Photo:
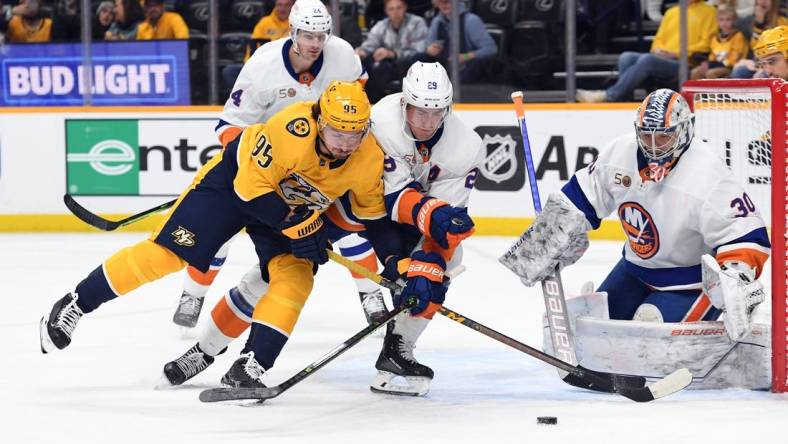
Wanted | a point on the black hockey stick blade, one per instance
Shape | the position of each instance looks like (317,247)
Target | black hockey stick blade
(231,394)
(612,382)
(103,224)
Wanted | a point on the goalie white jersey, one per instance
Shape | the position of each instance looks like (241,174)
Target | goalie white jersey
(444,167)
(267,82)
(699,208)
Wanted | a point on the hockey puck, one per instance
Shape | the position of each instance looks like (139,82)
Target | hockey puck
(551,420)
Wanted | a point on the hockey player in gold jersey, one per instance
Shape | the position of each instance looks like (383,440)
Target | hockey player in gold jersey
(772,52)
(275,180)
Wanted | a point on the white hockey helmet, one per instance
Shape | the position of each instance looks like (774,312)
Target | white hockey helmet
(664,126)
(427,85)
(311,16)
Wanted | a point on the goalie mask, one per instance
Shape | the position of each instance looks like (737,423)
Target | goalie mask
(664,130)
(426,100)
(309,16)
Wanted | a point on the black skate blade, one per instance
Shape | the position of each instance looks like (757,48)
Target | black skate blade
(236,394)
(386,392)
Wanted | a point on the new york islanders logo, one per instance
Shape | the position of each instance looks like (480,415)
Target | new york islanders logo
(640,229)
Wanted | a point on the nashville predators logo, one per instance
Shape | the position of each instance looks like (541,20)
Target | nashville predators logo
(297,191)
(298,127)
(639,227)
(183,237)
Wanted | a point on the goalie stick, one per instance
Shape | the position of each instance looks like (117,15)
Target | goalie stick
(552,287)
(230,394)
(632,387)
(103,224)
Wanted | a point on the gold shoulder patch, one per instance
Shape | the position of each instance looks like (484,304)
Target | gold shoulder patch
(298,127)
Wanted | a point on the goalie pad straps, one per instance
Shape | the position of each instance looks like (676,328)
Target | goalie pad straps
(558,237)
(733,291)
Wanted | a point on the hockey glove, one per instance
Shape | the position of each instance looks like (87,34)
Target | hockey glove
(307,233)
(446,224)
(732,288)
(557,238)
(425,282)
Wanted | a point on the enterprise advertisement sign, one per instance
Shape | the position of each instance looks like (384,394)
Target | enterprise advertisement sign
(123,73)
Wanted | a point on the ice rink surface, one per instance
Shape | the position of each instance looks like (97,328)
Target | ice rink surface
(101,388)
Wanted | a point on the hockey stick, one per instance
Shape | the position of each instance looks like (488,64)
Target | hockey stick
(230,394)
(552,288)
(99,222)
(632,387)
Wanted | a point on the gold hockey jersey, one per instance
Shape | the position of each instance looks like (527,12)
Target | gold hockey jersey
(281,155)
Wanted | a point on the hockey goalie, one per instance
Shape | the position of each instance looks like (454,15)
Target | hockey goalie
(684,292)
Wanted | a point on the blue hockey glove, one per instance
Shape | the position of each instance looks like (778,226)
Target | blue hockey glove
(445,224)
(425,282)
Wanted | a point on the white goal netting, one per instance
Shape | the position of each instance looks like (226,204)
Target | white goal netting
(743,121)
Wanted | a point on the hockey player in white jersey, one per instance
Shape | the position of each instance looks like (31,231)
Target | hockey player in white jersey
(432,160)
(278,74)
(696,244)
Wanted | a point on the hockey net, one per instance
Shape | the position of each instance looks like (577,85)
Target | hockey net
(746,121)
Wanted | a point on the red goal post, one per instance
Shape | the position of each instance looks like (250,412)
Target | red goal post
(746,121)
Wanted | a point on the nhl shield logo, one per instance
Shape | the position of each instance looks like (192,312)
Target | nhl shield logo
(640,229)
(503,168)
(501,161)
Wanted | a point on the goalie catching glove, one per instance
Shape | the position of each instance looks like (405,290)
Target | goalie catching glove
(733,289)
(557,238)
(307,233)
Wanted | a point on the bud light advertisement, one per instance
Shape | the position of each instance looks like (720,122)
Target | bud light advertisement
(123,73)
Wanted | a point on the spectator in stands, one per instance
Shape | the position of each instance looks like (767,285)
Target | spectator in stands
(29,25)
(105,16)
(765,15)
(391,47)
(661,64)
(160,24)
(476,44)
(772,52)
(66,21)
(128,16)
(274,26)
(728,46)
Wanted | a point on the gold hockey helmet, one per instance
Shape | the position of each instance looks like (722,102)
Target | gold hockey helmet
(772,41)
(344,106)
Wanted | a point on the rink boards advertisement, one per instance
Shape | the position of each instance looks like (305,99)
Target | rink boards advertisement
(122,161)
(121,73)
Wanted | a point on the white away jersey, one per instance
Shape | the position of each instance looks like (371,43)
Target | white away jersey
(699,208)
(267,82)
(445,170)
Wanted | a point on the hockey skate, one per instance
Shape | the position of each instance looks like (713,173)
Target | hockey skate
(245,372)
(57,328)
(395,363)
(189,365)
(188,310)
(374,306)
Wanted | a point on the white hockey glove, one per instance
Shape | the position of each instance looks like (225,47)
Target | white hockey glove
(733,289)
(557,238)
